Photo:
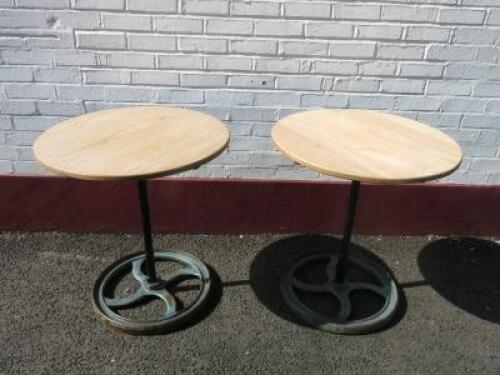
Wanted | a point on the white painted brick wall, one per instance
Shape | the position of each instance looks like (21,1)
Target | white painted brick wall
(250,63)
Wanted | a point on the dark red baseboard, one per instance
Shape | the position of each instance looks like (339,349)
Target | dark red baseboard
(41,203)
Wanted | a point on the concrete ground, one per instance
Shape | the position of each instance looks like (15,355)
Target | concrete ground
(448,324)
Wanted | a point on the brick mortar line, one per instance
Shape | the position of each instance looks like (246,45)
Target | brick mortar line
(246,89)
(258,37)
(261,17)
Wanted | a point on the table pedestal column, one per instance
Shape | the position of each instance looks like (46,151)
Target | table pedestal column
(341,284)
(150,284)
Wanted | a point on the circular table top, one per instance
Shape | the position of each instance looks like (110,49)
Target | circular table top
(131,143)
(366,146)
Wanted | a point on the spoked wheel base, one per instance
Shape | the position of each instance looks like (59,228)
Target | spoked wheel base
(174,313)
(377,284)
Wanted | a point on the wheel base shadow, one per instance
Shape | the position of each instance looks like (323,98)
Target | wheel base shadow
(272,262)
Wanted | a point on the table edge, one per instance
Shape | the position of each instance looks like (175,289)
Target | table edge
(382,181)
(145,176)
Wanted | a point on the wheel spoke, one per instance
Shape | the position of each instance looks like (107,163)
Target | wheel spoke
(312,288)
(331,267)
(180,275)
(367,286)
(345,305)
(168,299)
(127,301)
(137,272)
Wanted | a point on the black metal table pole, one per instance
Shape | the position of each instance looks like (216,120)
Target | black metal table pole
(346,240)
(340,284)
(148,242)
(142,268)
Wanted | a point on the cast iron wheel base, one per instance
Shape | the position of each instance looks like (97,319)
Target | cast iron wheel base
(341,324)
(174,315)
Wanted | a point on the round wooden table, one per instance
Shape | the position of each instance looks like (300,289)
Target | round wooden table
(136,143)
(362,146)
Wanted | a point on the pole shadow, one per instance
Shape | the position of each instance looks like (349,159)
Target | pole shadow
(466,272)
(214,298)
(272,262)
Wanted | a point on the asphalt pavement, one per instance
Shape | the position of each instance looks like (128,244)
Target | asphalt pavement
(449,321)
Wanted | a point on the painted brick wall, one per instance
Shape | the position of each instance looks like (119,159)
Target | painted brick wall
(251,62)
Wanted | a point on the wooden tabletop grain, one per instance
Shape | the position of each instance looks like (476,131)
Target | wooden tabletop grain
(131,143)
(367,146)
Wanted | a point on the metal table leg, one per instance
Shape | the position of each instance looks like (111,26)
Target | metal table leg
(150,285)
(340,285)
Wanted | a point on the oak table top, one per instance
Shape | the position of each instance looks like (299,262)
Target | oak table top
(131,143)
(367,146)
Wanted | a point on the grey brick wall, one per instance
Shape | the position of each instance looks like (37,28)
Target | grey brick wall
(250,63)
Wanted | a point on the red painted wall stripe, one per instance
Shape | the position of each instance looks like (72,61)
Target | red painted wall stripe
(42,203)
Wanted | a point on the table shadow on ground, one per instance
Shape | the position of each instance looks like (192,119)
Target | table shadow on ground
(465,271)
(271,262)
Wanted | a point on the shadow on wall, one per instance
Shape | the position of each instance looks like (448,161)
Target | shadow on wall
(271,263)
(466,272)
